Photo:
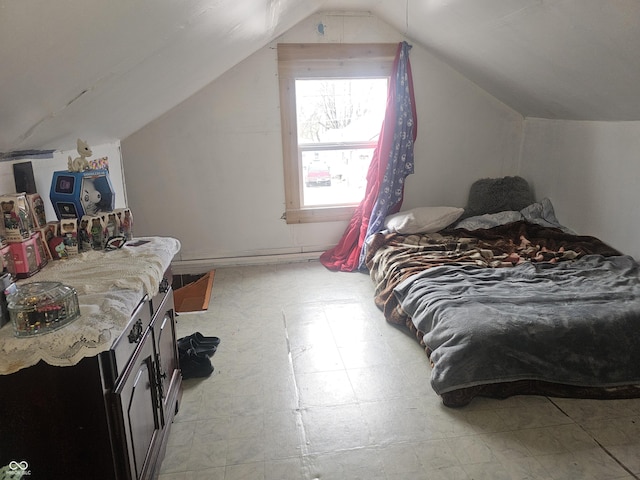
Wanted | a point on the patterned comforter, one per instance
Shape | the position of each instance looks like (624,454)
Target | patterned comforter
(402,268)
(391,257)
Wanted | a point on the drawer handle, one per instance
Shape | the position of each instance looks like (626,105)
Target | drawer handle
(136,332)
(164,285)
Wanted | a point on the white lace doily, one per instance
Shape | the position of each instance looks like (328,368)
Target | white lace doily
(109,285)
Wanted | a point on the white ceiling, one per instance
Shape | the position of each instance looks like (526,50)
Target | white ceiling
(107,68)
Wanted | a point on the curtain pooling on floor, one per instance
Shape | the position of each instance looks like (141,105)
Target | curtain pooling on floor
(391,163)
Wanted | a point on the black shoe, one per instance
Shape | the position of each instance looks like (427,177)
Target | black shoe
(201,344)
(202,340)
(194,365)
(185,344)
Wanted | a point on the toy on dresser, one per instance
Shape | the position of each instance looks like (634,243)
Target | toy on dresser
(80,164)
(84,235)
(47,233)
(70,237)
(7,258)
(23,243)
(38,215)
(112,224)
(54,241)
(28,256)
(69,234)
(74,194)
(125,222)
(98,232)
(16,217)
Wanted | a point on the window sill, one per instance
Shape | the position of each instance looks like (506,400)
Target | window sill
(319,214)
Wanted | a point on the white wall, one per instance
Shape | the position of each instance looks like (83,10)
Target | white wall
(209,172)
(590,171)
(43,169)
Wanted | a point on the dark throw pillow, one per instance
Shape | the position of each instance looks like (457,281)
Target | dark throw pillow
(493,195)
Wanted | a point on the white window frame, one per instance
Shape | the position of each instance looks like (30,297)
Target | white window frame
(316,61)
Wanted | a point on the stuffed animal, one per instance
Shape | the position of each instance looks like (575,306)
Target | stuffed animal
(80,164)
(90,198)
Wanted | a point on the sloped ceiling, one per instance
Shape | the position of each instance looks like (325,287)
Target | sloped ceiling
(104,69)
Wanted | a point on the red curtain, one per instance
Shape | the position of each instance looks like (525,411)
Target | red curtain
(345,256)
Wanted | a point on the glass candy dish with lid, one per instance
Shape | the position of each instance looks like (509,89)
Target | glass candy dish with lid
(42,307)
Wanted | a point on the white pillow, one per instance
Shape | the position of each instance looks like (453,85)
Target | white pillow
(422,219)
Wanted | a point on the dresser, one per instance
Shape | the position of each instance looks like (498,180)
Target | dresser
(107,413)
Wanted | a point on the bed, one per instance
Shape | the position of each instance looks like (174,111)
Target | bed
(512,302)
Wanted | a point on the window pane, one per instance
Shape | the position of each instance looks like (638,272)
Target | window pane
(334,177)
(340,110)
(338,124)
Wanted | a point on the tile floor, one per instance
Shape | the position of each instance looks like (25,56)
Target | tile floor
(311,383)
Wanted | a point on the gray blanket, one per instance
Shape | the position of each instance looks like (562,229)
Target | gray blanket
(573,323)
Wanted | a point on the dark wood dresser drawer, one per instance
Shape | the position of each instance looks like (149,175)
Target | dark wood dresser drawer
(125,345)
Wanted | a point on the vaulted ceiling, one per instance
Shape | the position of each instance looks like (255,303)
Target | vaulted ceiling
(107,68)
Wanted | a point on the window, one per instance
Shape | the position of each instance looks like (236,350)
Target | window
(333,99)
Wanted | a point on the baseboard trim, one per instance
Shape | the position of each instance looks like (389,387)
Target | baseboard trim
(181,267)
